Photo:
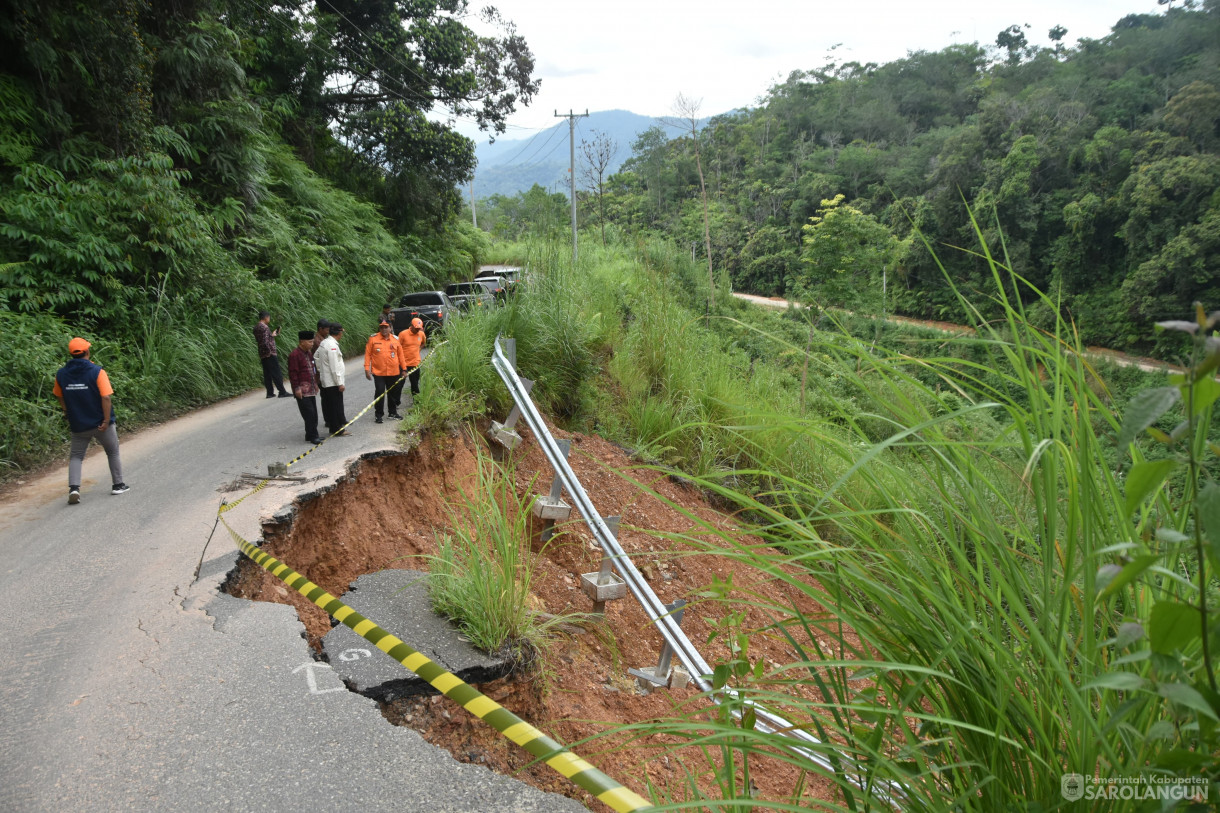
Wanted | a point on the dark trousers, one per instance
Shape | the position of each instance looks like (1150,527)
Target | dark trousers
(272,377)
(309,413)
(382,383)
(414,376)
(332,408)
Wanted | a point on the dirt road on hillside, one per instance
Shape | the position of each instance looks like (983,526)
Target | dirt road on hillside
(1145,363)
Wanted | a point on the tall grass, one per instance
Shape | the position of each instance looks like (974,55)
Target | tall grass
(482,575)
(949,503)
(965,656)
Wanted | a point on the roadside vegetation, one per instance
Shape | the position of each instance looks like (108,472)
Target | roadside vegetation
(1009,595)
(171,170)
(1014,546)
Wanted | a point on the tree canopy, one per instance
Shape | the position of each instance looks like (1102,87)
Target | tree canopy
(171,168)
(1094,162)
(375,74)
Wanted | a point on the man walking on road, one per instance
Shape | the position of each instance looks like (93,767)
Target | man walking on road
(84,391)
(264,337)
(383,364)
(303,378)
(412,340)
(329,361)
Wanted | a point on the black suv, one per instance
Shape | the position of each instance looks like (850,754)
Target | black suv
(434,308)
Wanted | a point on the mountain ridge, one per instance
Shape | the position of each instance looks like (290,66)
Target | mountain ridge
(510,166)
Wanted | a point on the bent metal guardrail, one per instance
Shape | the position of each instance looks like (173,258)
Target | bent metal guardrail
(696,666)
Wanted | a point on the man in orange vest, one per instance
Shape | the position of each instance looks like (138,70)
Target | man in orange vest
(84,392)
(412,340)
(383,364)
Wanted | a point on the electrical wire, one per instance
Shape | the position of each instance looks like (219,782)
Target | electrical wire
(529,162)
(524,147)
(310,44)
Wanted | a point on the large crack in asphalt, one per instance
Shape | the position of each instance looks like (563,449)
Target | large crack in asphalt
(365,538)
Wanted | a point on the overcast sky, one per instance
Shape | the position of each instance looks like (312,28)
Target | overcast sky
(638,55)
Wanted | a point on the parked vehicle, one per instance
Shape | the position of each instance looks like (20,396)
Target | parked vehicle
(468,295)
(433,307)
(508,278)
(495,287)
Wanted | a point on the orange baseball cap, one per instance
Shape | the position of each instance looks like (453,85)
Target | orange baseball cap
(78,346)
(417,322)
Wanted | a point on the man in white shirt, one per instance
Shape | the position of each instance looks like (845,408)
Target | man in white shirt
(328,358)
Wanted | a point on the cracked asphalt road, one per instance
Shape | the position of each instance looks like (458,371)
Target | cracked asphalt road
(127,687)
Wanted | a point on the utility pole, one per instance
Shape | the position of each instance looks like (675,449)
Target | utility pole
(473,215)
(572,117)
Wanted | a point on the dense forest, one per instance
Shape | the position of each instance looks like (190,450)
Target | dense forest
(1097,164)
(171,168)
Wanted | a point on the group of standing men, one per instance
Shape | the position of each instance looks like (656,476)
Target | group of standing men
(315,368)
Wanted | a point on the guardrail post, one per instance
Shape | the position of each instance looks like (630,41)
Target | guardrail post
(552,508)
(604,585)
(505,433)
(510,351)
(649,679)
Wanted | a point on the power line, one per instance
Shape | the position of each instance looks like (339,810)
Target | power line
(259,14)
(524,147)
(407,67)
(530,162)
(380,47)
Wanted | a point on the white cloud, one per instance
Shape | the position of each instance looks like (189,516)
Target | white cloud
(638,55)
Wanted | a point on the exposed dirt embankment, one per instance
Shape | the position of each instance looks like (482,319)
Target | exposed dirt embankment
(386,514)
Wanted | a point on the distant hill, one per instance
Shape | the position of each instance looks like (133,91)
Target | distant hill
(510,166)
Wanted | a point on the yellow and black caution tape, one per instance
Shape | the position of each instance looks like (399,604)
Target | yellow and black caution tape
(229,506)
(537,744)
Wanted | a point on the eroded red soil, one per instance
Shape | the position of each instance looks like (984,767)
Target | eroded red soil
(387,515)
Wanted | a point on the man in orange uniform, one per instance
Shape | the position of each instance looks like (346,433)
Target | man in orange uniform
(412,340)
(383,364)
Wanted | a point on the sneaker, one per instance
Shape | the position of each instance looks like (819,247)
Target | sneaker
(284,395)
(396,416)
(73,496)
(315,441)
(271,395)
(120,488)
(377,419)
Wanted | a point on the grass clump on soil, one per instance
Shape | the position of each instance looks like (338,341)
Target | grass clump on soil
(482,574)
(555,349)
